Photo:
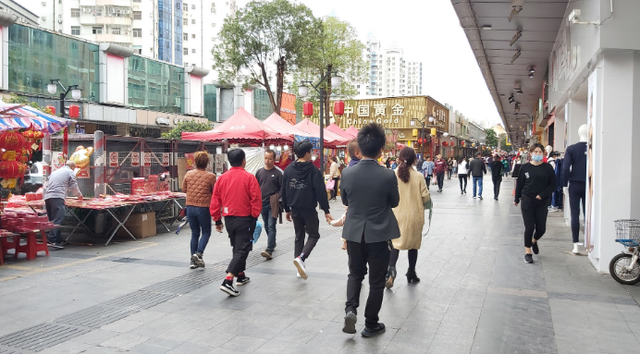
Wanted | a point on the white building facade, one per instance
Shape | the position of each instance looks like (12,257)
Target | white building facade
(180,32)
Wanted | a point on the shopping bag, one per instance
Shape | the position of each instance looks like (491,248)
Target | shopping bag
(428,205)
(257,231)
(331,184)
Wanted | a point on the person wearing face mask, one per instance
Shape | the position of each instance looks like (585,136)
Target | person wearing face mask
(535,185)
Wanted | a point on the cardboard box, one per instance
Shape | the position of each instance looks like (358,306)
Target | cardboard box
(141,225)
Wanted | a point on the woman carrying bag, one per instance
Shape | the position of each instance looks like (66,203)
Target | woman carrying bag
(414,197)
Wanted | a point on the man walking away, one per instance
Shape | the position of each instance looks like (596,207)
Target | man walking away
(477,169)
(237,197)
(496,175)
(303,189)
(60,183)
(270,180)
(441,169)
(428,167)
(370,192)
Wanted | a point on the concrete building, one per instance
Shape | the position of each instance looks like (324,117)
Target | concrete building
(580,64)
(175,31)
(24,15)
(389,72)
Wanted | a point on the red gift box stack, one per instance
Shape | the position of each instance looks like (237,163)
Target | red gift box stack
(21,221)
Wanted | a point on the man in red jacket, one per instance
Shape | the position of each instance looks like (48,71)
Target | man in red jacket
(238,198)
(441,168)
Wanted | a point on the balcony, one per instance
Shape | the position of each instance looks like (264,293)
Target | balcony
(89,20)
(113,38)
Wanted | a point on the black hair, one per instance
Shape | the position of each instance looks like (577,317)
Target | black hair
(236,156)
(479,154)
(371,139)
(301,148)
(536,145)
(269,151)
(353,148)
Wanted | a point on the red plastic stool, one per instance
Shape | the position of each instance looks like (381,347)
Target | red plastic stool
(32,247)
(7,243)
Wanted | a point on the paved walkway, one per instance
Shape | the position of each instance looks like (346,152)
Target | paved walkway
(476,295)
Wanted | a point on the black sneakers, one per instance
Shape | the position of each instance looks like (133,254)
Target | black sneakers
(267,254)
(242,279)
(193,265)
(227,287)
(534,248)
(350,323)
(197,259)
(528,258)
(57,245)
(369,332)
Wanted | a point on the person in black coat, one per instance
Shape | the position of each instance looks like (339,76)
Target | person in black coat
(497,169)
(370,191)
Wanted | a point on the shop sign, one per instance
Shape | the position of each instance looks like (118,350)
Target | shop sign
(135,159)
(83,173)
(379,114)
(146,158)
(191,160)
(113,159)
(165,159)
(163,121)
(57,160)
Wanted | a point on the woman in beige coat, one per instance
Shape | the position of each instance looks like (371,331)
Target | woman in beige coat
(410,214)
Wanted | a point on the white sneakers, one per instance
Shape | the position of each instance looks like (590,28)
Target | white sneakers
(302,270)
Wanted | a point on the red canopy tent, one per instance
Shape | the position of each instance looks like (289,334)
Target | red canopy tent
(280,125)
(353,131)
(336,129)
(331,139)
(241,128)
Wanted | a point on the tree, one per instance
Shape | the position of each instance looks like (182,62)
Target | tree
(262,35)
(492,138)
(189,126)
(337,49)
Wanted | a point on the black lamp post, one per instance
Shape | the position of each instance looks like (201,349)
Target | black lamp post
(76,93)
(303,91)
(423,122)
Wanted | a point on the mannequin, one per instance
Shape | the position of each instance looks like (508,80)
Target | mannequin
(575,175)
(549,150)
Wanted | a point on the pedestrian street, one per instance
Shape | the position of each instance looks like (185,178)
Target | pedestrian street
(476,294)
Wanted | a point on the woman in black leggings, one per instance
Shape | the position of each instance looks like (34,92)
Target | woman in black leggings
(536,183)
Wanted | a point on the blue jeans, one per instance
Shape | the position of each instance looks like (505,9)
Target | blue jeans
(477,181)
(199,218)
(269,225)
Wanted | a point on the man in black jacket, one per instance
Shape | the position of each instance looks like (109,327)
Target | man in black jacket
(496,175)
(370,191)
(302,190)
(477,169)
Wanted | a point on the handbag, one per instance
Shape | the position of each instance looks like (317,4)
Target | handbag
(428,205)
(257,231)
(331,184)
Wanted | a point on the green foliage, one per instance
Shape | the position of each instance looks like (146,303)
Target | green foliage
(22,100)
(492,138)
(503,143)
(189,126)
(337,49)
(261,37)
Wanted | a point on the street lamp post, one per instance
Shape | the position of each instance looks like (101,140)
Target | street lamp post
(76,93)
(303,91)
(423,122)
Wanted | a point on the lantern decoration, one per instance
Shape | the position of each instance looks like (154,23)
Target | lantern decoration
(10,171)
(445,144)
(52,110)
(74,111)
(462,143)
(338,108)
(13,145)
(419,140)
(307,109)
(433,132)
(474,144)
(11,141)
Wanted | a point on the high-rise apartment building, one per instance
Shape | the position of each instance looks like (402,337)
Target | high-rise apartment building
(180,32)
(389,73)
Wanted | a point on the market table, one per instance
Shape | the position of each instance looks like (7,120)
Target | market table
(72,208)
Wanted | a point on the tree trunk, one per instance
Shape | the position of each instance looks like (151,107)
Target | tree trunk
(282,66)
(267,86)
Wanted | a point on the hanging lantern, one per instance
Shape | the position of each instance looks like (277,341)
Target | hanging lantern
(74,111)
(433,132)
(445,143)
(52,110)
(462,143)
(10,171)
(307,109)
(11,141)
(419,140)
(338,108)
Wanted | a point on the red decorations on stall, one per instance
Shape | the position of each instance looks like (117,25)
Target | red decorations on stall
(444,143)
(52,110)
(11,141)
(74,111)
(307,109)
(338,108)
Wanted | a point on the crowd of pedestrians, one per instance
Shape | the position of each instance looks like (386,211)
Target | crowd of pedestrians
(380,219)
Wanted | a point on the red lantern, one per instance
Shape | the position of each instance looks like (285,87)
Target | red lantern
(52,109)
(11,141)
(338,108)
(12,169)
(462,143)
(307,109)
(445,143)
(74,111)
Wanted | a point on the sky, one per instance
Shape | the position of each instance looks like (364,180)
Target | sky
(428,31)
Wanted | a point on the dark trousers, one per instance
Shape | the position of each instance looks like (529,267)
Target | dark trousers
(334,191)
(305,221)
(463,180)
(496,186)
(55,213)
(440,177)
(395,254)
(428,180)
(534,214)
(240,229)
(576,197)
(199,218)
(269,225)
(376,256)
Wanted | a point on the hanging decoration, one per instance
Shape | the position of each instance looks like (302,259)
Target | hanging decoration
(338,108)
(307,109)
(11,145)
